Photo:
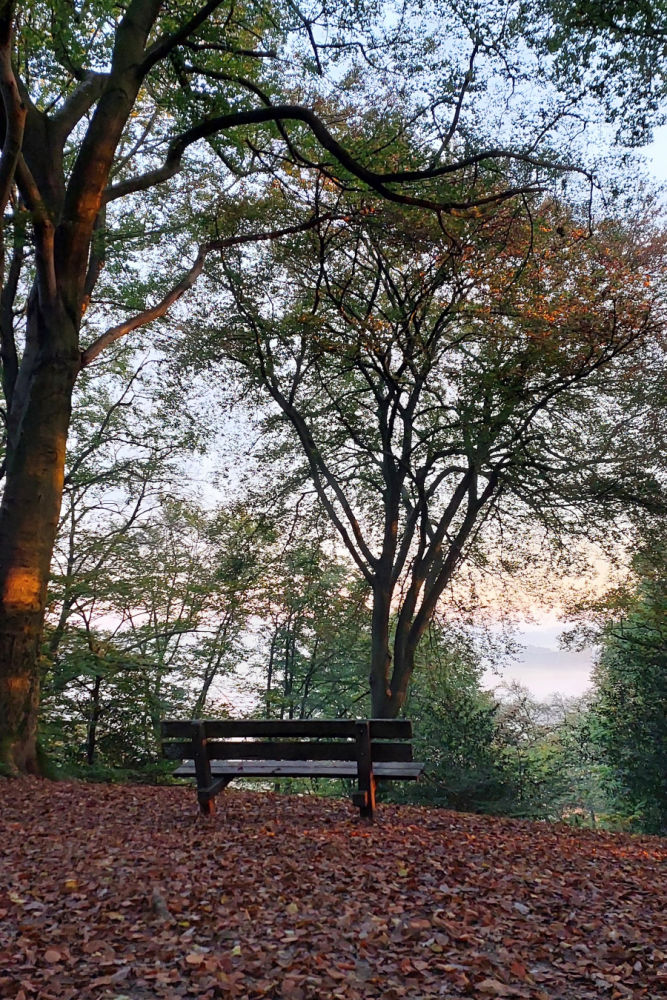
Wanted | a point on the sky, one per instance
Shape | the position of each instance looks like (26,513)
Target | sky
(542,666)
(657,154)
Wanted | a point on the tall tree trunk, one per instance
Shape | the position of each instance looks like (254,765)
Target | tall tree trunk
(408,635)
(405,647)
(380,653)
(393,673)
(29,513)
(269,675)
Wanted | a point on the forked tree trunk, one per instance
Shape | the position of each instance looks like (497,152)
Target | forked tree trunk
(39,421)
(404,662)
(407,638)
(391,674)
(397,689)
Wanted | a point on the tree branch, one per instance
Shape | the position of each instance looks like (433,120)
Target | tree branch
(8,352)
(44,228)
(376,181)
(14,108)
(186,282)
(79,102)
(467,80)
(167,43)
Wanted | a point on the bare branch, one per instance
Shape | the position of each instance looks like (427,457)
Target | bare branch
(44,228)
(79,102)
(322,478)
(15,111)
(96,437)
(164,45)
(308,25)
(376,181)
(187,281)
(231,49)
(467,80)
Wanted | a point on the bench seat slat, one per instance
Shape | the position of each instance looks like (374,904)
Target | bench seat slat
(325,750)
(381,729)
(408,771)
(275,750)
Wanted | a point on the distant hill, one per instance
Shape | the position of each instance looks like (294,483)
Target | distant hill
(546,671)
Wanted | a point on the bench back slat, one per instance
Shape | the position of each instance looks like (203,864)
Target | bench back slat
(285,750)
(381,729)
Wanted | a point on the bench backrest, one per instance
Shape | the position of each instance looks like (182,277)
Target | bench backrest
(278,739)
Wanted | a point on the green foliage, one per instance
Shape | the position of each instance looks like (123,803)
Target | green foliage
(617,52)
(630,708)
(315,637)
(151,632)
(454,723)
(149,592)
(545,753)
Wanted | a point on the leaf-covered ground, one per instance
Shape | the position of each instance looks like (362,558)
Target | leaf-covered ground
(124,892)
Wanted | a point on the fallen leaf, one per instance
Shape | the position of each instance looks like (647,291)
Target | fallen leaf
(494,988)
(318,909)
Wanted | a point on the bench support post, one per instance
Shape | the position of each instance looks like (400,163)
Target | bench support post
(202,769)
(365,797)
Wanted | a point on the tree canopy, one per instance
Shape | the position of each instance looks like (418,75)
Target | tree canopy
(444,387)
(617,51)
(144,143)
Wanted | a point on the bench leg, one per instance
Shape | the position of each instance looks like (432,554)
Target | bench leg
(202,769)
(365,797)
(206,806)
(205,796)
(365,800)
(369,811)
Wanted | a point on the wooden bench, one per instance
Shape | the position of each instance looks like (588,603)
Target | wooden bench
(216,752)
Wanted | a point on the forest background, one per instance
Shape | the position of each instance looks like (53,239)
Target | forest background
(356,384)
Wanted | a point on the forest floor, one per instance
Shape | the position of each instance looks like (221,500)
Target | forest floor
(123,892)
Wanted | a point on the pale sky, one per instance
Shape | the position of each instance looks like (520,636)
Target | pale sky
(657,154)
(543,667)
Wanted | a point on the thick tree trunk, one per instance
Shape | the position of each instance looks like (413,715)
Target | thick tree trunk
(406,640)
(397,688)
(38,425)
(392,674)
(404,664)
(380,653)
